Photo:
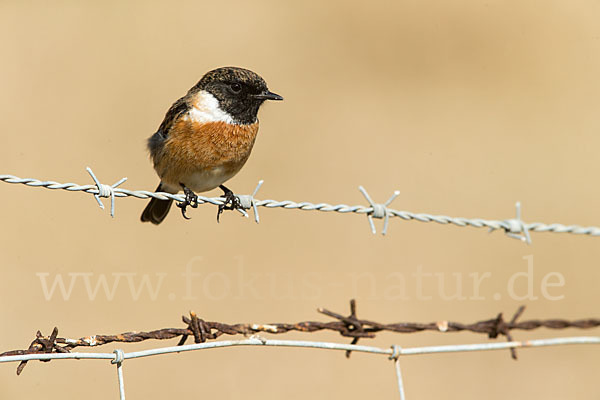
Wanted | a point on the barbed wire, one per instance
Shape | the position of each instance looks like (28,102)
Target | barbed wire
(47,348)
(347,326)
(514,227)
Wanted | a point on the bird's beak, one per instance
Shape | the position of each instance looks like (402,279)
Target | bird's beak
(267,95)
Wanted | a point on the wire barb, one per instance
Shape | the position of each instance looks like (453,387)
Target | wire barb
(379,210)
(247,201)
(516,228)
(42,344)
(105,191)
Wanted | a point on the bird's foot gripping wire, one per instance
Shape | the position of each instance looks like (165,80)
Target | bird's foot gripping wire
(231,201)
(190,200)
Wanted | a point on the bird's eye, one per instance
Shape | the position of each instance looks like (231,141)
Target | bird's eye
(236,87)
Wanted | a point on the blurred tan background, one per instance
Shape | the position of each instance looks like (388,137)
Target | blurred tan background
(463,106)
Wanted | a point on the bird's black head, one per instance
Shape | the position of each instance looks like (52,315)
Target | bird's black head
(240,92)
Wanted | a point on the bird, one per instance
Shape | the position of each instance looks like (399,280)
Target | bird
(205,138)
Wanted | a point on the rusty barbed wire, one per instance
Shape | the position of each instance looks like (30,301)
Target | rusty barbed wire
(514,227)
(347,326)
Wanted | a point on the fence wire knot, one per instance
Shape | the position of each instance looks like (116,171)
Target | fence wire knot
(379,210)
(105,191)
(396,352)
(119,356)
(247,201)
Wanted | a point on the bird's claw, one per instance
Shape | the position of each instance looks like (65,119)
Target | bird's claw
(191,199)
(231,202)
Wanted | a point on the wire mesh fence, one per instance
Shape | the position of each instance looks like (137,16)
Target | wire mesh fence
(53,347)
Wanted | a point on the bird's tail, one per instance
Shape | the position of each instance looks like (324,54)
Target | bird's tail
(157,210)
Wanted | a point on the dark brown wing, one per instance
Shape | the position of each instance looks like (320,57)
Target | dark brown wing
(155,142)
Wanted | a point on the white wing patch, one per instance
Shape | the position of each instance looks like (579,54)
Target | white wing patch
(206,109)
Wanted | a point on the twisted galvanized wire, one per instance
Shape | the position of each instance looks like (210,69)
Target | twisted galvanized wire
(393,353)
(515,227)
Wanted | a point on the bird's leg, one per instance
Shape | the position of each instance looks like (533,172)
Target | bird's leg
(231,201)
(190,200)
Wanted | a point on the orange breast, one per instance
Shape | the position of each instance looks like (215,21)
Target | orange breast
(192,147)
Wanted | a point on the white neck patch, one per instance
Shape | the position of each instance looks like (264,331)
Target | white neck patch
(206,108)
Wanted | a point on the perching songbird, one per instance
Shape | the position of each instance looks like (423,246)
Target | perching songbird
(206,137)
